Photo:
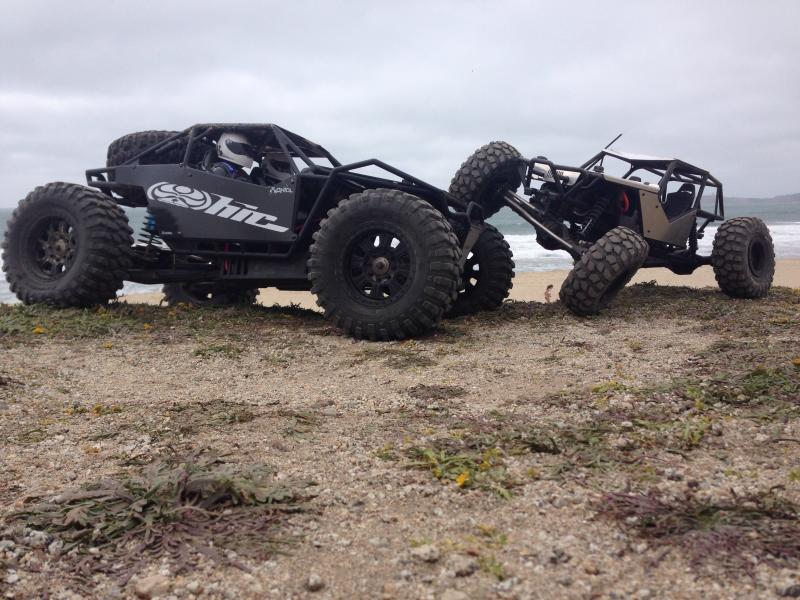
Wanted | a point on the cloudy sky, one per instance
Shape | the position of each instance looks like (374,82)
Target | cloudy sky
(418,84)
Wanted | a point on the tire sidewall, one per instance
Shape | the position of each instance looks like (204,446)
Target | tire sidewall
(731,257)
(495,268)
(21,264)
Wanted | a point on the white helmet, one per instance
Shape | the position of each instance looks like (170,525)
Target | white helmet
(235,148)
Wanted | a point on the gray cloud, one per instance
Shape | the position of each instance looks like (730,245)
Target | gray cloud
(419,85)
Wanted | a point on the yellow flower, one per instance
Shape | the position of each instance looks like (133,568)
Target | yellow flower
(147,326)
(796,362)
(39,330)
(462,479)
(108,345)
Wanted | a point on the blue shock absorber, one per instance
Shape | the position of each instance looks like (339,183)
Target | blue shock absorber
(150,223)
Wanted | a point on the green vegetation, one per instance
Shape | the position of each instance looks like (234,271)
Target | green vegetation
(176,508)
(728,532)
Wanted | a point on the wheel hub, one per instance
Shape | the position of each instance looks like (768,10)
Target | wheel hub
(380,266)
(55,247)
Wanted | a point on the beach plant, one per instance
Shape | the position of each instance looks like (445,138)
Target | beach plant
(729,532)
(180,509)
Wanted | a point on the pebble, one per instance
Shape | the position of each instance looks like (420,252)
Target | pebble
(154,585)
(314,583)
(194,587)
(462,565)
(591,568)
(790,591)
(426,552)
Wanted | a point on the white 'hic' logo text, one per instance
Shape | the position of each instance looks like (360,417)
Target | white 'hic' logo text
(212,204)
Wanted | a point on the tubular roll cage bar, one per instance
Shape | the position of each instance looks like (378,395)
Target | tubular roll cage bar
(292,145)
(665,169)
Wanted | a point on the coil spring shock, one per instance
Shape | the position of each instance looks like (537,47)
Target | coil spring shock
(149,238)
(594,213)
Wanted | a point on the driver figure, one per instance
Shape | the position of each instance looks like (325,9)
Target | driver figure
(235,153)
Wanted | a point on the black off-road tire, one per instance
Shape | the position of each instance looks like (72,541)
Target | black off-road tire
(126,147)
(379,291)
(88,231)
(603,271)
(486,176)
(743,257)
(199,294)
(487,275)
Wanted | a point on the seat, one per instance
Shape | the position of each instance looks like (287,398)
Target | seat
(679,202)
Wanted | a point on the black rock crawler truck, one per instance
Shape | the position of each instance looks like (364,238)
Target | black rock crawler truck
(235,207)
(613,224)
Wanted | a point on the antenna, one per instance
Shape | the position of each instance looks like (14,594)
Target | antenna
(612,142)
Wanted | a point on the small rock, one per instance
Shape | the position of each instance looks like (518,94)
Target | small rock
(426,553)
(462,565)
(762,438)
(12,577)
(673,474)
(37,539)
(452,594)
(155,585)
(506,584)
(377,542)
(622,443)
(314,583)
(626,425)
(790,591)
(591,568)
(558,557)
(644,594)
(194,587)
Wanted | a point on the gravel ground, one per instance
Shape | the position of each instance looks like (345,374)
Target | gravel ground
(476,462)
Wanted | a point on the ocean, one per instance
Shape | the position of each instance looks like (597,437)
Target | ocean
(781,214)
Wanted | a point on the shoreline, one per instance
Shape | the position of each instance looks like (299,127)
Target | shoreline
(531,285)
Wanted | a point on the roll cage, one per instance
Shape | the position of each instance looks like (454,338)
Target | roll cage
(590,173)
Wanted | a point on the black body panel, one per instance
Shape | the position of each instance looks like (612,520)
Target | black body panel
(196,205)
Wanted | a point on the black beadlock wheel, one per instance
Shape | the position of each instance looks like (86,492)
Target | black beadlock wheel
(486,176)
(207,294)
(66,245)
(603,271)
(487,275)
(384,265)
(743,257)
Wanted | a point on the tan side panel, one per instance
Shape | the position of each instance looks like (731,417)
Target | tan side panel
(656,226)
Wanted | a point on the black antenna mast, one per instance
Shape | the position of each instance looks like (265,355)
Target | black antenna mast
(612,142)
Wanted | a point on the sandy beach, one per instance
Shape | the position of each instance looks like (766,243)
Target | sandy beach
(531,286)
(517,454)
